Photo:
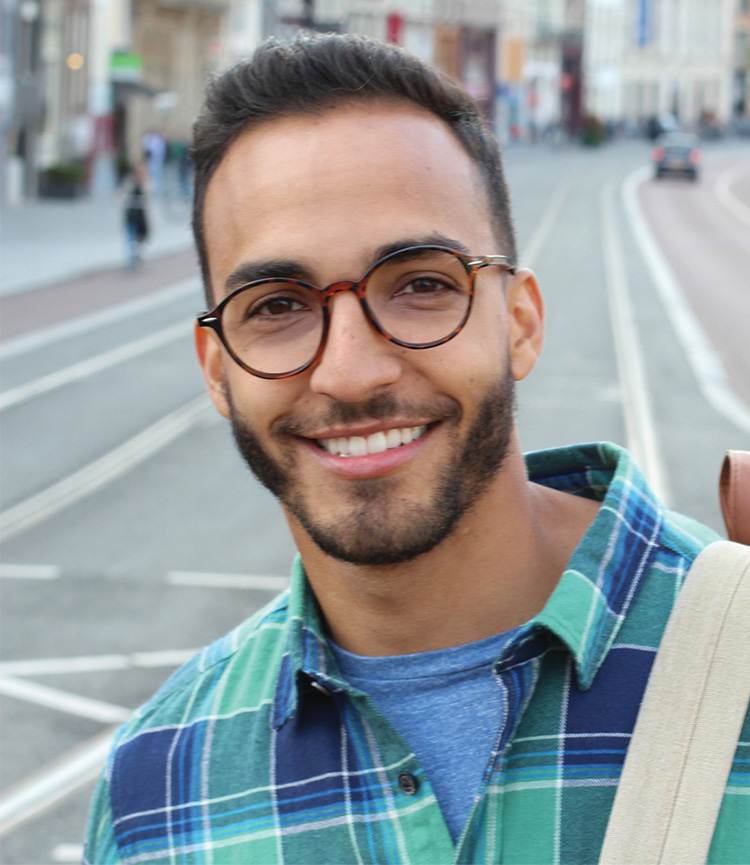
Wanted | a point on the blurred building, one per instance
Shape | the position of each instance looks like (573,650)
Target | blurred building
(659,61)
(741,80)
(22,102)
(177,43)
(520,59)
(83,81)
(540,72)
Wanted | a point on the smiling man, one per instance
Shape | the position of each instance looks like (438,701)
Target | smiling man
(455,672)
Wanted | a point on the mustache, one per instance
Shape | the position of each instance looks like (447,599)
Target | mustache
(381,407)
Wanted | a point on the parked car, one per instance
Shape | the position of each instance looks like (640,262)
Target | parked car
(676,153)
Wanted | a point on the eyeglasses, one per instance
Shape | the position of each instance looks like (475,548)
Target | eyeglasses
(418,297)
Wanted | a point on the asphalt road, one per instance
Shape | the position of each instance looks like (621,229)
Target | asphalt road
(132,534)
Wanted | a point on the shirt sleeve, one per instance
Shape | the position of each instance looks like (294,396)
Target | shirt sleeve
(101,845)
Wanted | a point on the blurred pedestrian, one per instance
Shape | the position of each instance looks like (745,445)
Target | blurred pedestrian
(135,216)
(155,152)
(179,155)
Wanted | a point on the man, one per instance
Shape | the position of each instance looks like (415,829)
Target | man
(457,668)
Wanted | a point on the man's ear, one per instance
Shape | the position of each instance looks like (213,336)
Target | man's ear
(210,356)
(526,322)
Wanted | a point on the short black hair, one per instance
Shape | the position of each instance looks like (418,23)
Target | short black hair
(312,72)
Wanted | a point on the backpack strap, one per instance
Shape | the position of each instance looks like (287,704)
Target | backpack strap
(734,493)
(690,720)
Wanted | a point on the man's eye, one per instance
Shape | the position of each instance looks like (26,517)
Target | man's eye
(426,285)
(275,306)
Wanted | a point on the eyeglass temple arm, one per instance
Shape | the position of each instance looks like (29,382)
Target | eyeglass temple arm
(487,260)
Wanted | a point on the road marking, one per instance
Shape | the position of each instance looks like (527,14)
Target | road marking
(92,365)
(58,780)
(63,701)
(530,252)
(86,323)
(639,419)
(227,581)
(722,190)
(706,365)
(67,853)
(99,473)
(29,572)
(96,663)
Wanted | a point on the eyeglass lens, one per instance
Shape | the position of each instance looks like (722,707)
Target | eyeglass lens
(276,326)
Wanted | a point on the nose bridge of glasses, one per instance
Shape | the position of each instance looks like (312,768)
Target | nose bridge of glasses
(341,286)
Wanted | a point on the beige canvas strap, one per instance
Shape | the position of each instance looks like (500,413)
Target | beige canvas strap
(692,713)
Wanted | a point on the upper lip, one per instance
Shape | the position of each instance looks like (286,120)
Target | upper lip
(367,430)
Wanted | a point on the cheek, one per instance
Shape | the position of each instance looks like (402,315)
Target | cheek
(258,402)
(478,355)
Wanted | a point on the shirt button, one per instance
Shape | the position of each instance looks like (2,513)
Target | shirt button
(408,783)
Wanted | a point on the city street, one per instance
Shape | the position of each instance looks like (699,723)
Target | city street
(133,534)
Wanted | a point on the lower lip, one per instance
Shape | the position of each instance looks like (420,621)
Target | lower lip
(371,465)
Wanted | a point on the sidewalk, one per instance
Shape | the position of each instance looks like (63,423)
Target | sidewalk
(45,241)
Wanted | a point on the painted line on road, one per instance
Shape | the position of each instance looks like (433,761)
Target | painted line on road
(643,442)
(723,192)
(706,365)
(63,701)
(29,572)
(48,786)
(85,324)
(67,853)
(92,365)
(102,471)
(96,663)
(530,252)
(227,581)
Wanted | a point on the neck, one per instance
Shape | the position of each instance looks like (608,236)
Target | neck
(495,571)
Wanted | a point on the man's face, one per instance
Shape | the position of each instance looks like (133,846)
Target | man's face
(323,196)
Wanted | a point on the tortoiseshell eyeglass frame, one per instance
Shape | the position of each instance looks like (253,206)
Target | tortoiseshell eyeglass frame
(472,265)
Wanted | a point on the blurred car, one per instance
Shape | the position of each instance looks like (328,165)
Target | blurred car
(676,153)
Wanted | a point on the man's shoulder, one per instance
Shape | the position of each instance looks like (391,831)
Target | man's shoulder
(686,536)
(208,682)
(683,538)
(663,572)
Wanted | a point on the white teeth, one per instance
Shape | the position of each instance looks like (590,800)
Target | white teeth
(377,443)
(393,438)
(359,446)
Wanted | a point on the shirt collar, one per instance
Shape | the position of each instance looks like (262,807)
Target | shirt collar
(308,660)
(597,588)
(587,607)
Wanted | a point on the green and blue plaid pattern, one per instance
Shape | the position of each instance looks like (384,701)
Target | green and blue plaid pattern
(257,751)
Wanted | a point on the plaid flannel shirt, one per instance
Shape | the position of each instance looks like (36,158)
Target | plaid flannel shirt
(257,751)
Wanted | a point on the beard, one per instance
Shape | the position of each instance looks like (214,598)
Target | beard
(380,527)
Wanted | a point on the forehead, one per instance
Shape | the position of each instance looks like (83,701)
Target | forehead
(337,185)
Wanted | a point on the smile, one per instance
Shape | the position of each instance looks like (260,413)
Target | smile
(378,442)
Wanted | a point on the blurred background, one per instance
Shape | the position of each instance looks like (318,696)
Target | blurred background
(83,81)
(131,532)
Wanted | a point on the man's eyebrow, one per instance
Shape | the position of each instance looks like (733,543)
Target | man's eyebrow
(434,239)
(250,271)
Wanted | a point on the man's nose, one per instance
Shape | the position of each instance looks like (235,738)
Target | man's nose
(357,361)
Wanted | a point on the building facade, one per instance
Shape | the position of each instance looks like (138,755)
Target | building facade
(83,81)
(645,59)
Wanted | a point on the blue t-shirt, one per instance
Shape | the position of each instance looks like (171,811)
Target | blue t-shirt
(447,705)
